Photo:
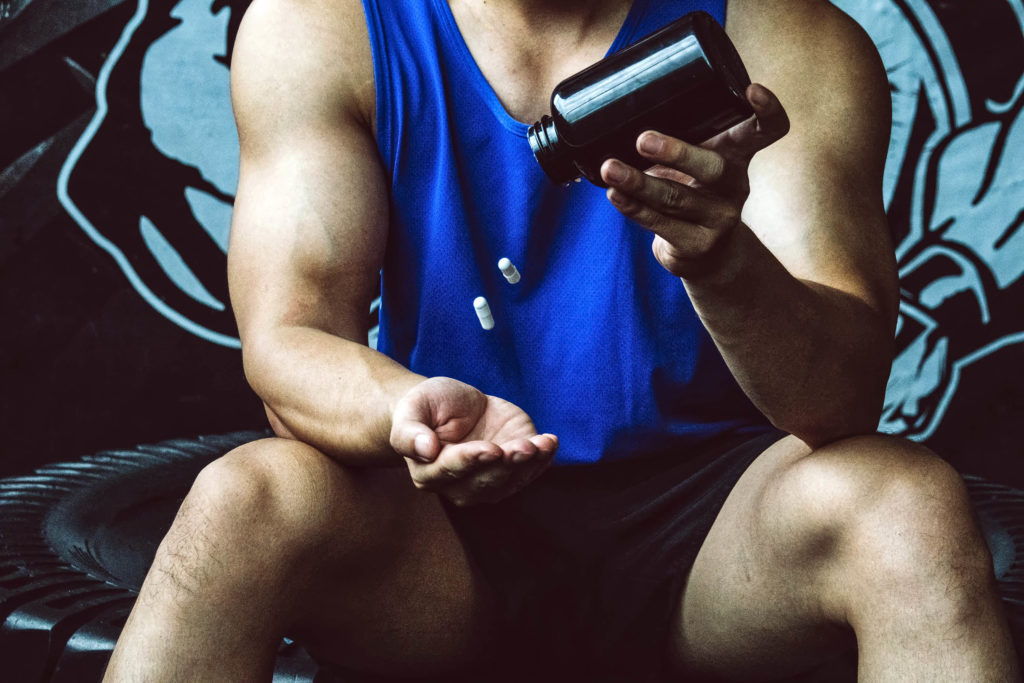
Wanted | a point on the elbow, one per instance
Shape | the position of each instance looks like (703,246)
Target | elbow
(257,365)
(833,417)
(278,426)
(256,370)
(817,431)
(843,401)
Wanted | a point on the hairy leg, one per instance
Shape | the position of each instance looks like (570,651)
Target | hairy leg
(868,541)
(274,539)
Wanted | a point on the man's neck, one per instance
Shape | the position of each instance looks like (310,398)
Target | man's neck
(569,19)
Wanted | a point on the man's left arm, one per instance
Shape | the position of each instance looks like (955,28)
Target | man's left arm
(786,255)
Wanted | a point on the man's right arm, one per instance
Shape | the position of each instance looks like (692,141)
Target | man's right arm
(307,242)
(310,226)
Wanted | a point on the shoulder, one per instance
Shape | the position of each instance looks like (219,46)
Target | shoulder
(303,58)
(819,61)
(799,34)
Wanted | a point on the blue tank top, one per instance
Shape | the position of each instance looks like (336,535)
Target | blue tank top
(596,342)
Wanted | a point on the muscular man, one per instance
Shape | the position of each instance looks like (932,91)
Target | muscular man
(719,506)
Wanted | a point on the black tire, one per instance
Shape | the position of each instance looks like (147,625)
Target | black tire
(77,538)
(76,541)
(1001,515)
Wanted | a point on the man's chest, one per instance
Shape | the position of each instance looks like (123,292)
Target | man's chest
(522,65)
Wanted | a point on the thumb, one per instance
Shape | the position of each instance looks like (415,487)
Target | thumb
(410,436)
(769,124)
(414,440)
(770,115)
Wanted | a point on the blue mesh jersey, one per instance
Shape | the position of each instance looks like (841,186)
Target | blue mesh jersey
(597,342)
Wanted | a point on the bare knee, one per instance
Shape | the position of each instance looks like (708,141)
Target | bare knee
(267,512)
(882,516)
(900,507)
(266,493)
(298,500)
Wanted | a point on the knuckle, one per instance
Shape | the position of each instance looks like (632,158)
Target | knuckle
(704,242)
(730,214)
(717,167)
(635,181)
(449,472)
(674,195)
(657,222)
(630,207)
(685,256)
(710,243)
(665,253)
(679,152)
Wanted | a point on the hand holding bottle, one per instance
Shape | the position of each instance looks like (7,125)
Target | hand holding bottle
(693,197)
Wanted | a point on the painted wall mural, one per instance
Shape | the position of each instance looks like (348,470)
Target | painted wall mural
(119,165)
(954,187)
(164,219)
(143,164)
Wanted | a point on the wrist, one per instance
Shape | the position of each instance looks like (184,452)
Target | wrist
(399,387)
(748,284)
(396,390)
(726,264)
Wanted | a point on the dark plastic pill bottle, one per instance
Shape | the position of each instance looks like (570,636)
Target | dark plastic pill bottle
(685,80)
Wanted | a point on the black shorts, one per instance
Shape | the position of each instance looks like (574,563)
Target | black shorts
(588,562)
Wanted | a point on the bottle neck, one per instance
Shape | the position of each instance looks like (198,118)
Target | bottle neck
(551,153)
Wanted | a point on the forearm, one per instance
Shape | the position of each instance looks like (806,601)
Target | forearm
(812,358)
(334,394)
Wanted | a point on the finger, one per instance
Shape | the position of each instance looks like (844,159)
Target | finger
(706,166)
(688,240)
(769,124)
(659,203)
(528,471)
(498,480)
(458,461)
(547,444)
(487,484)
(518,450)
(770,115)
(659,171)
(491,484)
(501,480)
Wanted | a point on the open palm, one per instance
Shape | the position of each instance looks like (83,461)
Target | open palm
(466,445)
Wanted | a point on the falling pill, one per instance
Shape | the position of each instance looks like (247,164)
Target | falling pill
(483,311)
(508,269)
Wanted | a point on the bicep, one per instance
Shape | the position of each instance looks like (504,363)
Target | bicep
(816,196)
(310,219)
(308,236)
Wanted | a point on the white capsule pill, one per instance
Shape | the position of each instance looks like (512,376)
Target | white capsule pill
(508,269)
(483,311)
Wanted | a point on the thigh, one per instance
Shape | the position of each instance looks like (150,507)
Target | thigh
(751,607)
(385,584)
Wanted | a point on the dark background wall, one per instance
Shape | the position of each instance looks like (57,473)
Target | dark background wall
(105,340)
(119,164)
